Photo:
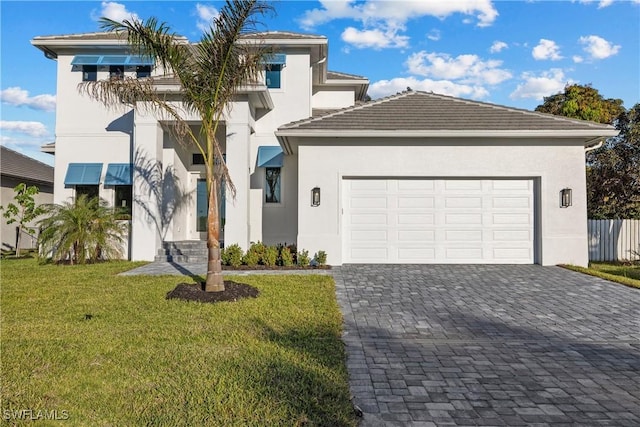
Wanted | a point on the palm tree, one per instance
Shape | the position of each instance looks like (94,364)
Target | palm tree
(210,73)
(81,231)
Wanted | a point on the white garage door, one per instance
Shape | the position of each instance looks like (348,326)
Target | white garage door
(438,221)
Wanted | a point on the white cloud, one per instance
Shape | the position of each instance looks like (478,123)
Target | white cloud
(18,97)
(35,129)
(434,35)
(375,38)
(468,69)
(538,86)
(206,15)
(389,87)
(604,3)
(116,12)
(389,17)
(577,59)
(597,47)
(546,49)
(498,46)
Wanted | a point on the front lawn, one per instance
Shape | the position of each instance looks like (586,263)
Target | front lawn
(103,349)
(627,274)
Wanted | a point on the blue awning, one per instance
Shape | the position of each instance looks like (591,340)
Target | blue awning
(276,58)
(112,60)
(83,174)
(270,157)
(118,174)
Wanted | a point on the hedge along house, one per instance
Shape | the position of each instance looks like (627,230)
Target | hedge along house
(412,178)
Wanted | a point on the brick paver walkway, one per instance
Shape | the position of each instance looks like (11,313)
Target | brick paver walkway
(490,345)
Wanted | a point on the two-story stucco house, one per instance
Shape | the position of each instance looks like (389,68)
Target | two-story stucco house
(412,178)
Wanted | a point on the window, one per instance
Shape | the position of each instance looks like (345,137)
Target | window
(143,71)
(272,185)
(116,72)
(197,159)
(89,73)
(124,197)
(272,75)
(90,190)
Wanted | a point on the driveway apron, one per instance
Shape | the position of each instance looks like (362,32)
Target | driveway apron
(490,345)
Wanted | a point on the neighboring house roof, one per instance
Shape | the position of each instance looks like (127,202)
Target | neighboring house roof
(283,35)
(19,166)
(422,113)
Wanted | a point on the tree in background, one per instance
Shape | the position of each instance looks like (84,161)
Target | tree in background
(24,211)
(613,170)
(80,231)
(210,74)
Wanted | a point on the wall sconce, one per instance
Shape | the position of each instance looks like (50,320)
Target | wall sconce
(315,196)
(565,198)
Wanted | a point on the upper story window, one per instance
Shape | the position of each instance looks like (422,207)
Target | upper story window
(89,73)
(116,72)
(115,64)
(272,76)
(274,64)
(143,71)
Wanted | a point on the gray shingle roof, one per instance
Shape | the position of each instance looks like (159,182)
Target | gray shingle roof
(337,75)
(422,111)
(20,166)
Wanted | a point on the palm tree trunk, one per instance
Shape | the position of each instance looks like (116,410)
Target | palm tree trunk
(215,281)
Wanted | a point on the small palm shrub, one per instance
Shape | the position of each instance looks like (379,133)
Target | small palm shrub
(232,255)
(321,258)
(270,257)
(81,231)
(303,258)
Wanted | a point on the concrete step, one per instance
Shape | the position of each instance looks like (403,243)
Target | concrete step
(183,251)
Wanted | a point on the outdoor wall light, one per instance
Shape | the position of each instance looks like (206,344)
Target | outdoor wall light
(315,196)
(565,198)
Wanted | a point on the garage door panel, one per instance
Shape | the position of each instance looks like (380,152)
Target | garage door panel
(415,202)
(512,219)
(417,255)
(438,221)
(462,218)
(369,202)
(416,236)
(463,202)
(512,202)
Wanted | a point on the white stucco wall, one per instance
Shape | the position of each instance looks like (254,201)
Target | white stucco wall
(329,97)
(562,233)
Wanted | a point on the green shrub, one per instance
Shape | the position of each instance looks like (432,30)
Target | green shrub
(286,256)
(254,255)
(321,258)
(303,258)
(270,257)
(232,255)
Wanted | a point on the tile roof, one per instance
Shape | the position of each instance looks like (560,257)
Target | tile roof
(336,75)
(283,35)
(20,166)
(103,35)
(422,111)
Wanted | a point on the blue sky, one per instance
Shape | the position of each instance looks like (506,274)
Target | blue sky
(506,52)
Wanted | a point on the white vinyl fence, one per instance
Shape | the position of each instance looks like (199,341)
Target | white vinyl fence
(614,239)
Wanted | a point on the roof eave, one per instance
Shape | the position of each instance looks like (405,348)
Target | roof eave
(591,134)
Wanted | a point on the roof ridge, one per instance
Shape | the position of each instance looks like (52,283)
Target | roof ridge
(346,74)
(345,110)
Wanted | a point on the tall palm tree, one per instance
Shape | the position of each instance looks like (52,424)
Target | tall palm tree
(210,73)
(80,231)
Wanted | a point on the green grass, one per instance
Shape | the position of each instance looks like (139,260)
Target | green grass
(144,360)
(626,274)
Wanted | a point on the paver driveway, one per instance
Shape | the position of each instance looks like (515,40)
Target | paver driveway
(490,345)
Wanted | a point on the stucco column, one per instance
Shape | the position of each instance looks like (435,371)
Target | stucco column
(238,138)
(146,227)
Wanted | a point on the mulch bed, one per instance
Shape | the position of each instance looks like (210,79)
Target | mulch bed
(233,291)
